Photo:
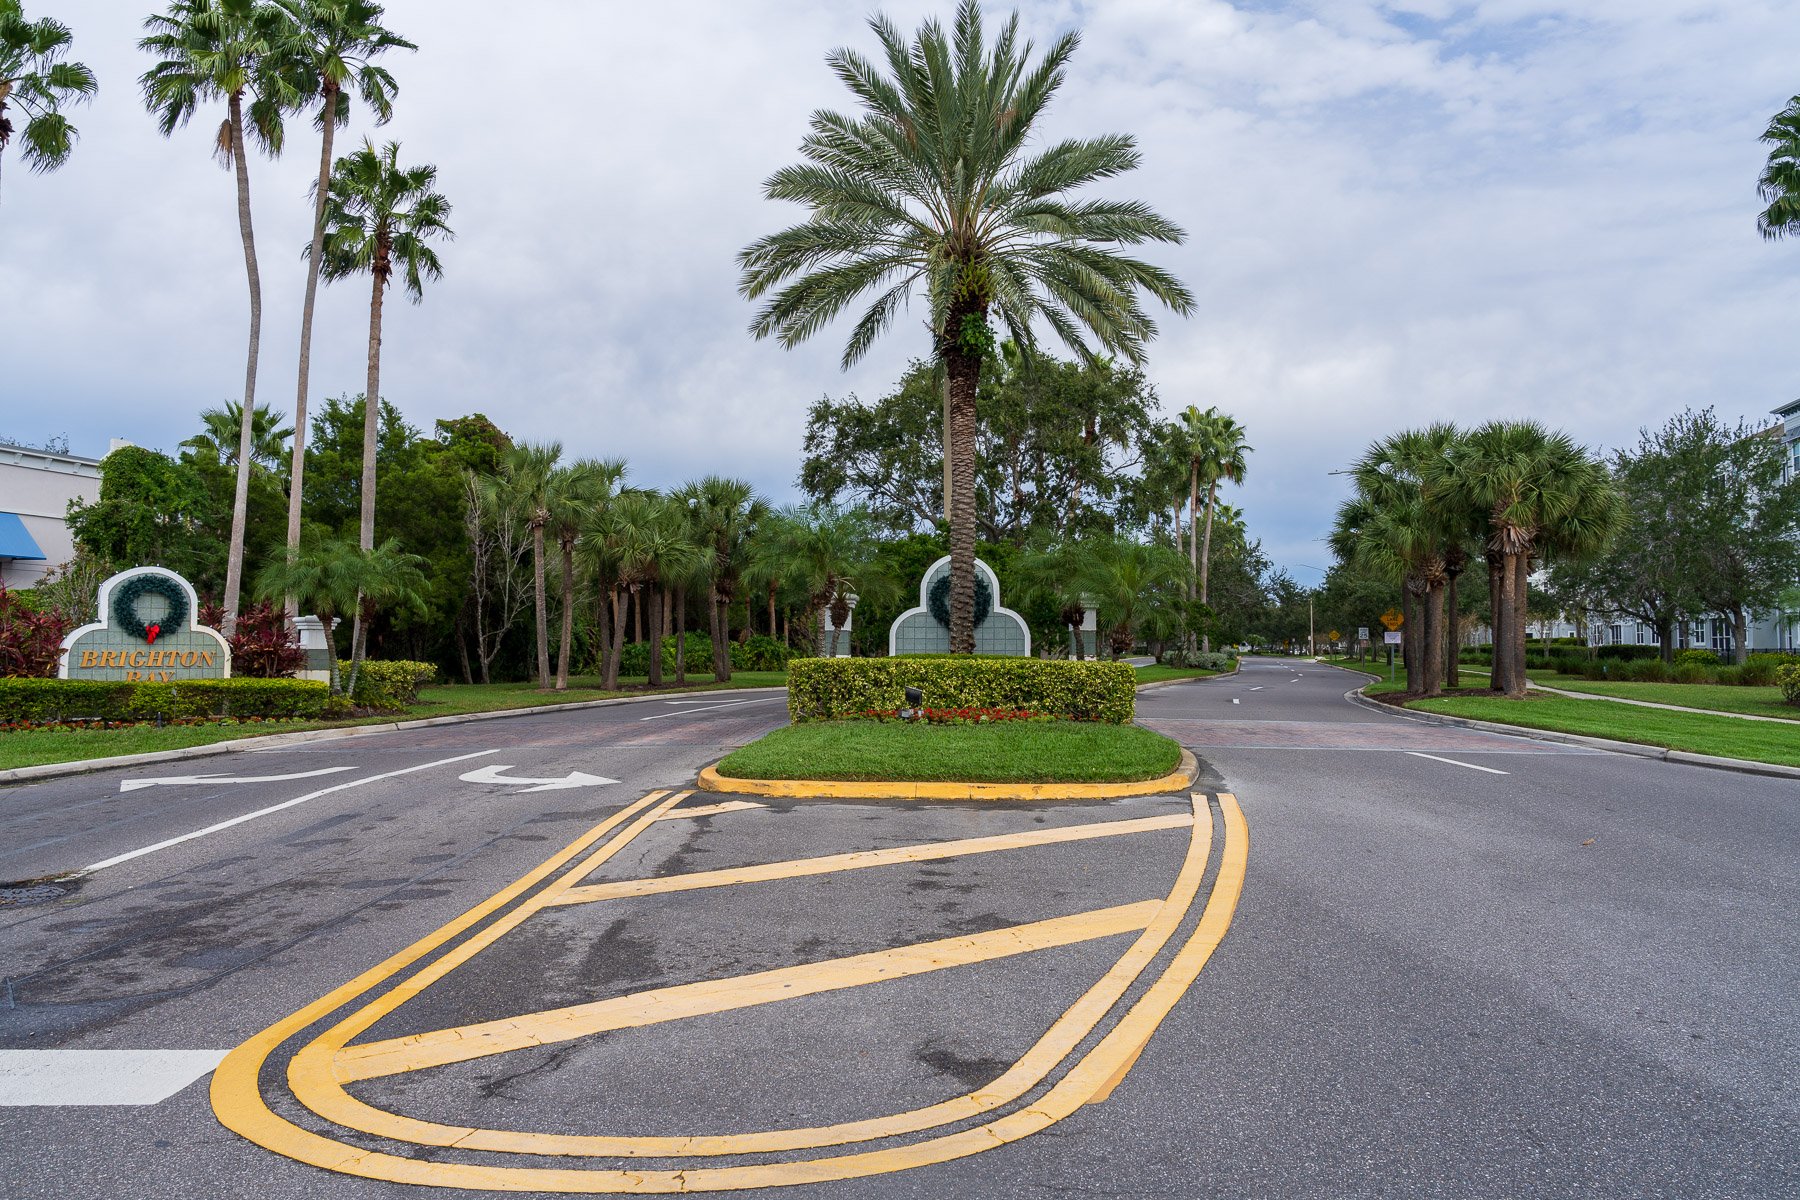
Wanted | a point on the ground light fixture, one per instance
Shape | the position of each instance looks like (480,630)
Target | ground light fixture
(915,703)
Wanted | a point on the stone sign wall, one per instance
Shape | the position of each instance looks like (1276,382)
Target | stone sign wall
(917,631)
(148,632)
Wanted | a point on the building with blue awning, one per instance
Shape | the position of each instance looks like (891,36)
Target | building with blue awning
(35,489)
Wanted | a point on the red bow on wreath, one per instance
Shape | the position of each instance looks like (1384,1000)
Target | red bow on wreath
(150,632)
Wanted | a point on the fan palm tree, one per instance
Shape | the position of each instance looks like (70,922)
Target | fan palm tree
(524,484)
(386,576)
(35,75)
(223,426)
(1214,444)
(1048,572)
(1124,577)
(936,187)
(226,49)
(333,45)
(830,553)
(380,219)
(655,550)
(726,513)
(571,493)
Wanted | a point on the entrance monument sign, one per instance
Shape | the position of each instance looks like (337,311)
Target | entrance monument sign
(926,629)
(148,632)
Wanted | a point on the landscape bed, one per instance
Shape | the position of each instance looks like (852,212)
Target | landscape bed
(1000,752)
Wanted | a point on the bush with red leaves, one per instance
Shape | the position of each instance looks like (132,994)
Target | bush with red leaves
(265,646)
(30,641)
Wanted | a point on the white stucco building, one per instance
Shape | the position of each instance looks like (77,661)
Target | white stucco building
(35,489)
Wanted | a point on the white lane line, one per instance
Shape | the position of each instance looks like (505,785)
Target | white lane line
(275,808)
(95,1077)
(1257,688)
(715,708)
(132,785)
(1453,762)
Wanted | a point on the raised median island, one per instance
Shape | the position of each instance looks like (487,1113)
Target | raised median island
(956,721)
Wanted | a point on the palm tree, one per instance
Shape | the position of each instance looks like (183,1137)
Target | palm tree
(830,552)
(1125,577)
(380,218)
(726,513)
(333,44)
(320,575)
(1780,181)
(1049,572)
(226,49)
(655,550)
(1537,491)
(1214,444)
(524,484)
(935,187)
(35,76)
(386,576)
(572,492)
(223,425)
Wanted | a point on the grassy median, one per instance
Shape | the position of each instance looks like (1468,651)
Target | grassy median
(35,747)
(1728,737)
(1001,752)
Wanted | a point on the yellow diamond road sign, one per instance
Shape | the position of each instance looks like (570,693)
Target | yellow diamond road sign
(1393,619)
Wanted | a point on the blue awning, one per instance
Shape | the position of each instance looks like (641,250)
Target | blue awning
(14,541)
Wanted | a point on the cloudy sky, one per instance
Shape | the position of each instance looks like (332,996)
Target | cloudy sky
(1396,212)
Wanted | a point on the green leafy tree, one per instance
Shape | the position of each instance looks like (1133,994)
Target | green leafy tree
(151,511)
(38,80)
(525,484)
(226,50)
(331,49)
(380,219)
(936,186)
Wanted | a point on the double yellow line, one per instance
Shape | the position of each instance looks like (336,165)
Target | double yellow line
(320,1069)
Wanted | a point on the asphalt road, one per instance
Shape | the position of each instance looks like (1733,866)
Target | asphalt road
(1461,965)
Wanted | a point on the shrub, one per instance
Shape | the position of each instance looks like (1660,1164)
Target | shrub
(30,639)
(1693,672)
(760,653)
(387,685)
(1631,653)
(1204,660)
(1787,678)
(822,689)
(1645,670)
(1729,676)
(263,645)
(49,701)
(1571,664)
(1694,654)
(1756,674)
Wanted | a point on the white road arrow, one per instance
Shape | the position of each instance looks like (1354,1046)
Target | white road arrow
(132,785)
(574,779)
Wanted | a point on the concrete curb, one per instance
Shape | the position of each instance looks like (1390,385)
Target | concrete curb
(1163,683)
(87,766)
(1741,766)
(815,789)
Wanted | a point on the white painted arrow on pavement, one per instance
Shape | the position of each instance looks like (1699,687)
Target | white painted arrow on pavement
(132,785)
(574,779)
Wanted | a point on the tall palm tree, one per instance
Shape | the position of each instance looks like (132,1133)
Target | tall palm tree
(333,45)
(223,425)
(1214,443)
(655,550)
(1780,180)
(226,49)
(726,514)
(35,76)
(380,218)
(524,484)
(935,187)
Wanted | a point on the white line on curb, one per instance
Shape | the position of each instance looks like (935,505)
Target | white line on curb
(1454,763)
(275,808)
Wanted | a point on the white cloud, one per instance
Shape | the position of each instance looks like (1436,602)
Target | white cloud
(1398,212)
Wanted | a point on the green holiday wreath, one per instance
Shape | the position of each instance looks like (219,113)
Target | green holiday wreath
(125,599)
(937,599)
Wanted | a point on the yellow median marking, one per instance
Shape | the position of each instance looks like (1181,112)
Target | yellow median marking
(445,1046)
(240,1105)
(1179,780)
(709,810)
(830,864)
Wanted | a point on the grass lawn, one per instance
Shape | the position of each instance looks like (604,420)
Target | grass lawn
(1757,701)
(32,747)
(1756,740)
(1157,673)
(1006,752)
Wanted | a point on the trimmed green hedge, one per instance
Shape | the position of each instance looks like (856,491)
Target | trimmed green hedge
(824,689)
(387,685)
(43,701)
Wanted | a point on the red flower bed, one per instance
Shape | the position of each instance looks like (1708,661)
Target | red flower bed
(957,716)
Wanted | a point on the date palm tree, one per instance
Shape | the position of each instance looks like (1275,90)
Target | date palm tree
(320,575)
(1124,578)
(212,50)
(380,220)
(937,187)
(37,78)
(332,45)
(1780,180)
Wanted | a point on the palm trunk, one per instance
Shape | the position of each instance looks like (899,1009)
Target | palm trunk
(297,469)
(1521,609)
(1409,634)
(568,615)
(240,502)
(773,632)
(655,603)
(1505,668)
(1452,634)
(1212,500)
(541,608)
(722,638)
(1496,618)
(372,399)
(963,373)
(681,637)
(616,649)
(1431,669)
(1188,641)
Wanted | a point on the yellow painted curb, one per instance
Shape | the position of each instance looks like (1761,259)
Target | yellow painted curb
(802,789)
